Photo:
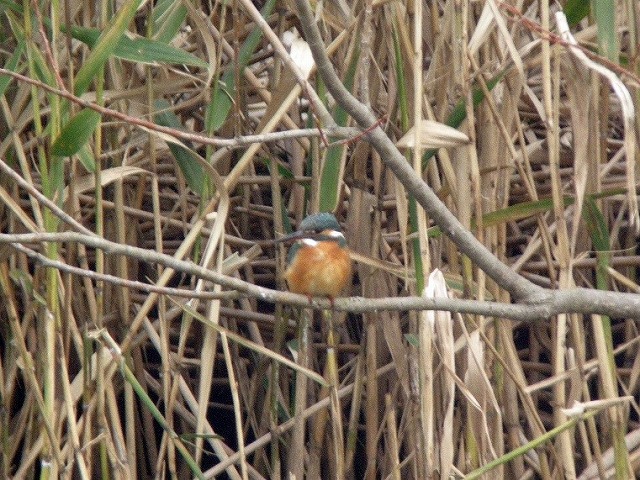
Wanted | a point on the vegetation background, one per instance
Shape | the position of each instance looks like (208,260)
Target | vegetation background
(150,152)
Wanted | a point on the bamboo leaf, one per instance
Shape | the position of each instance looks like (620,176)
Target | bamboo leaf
(8,4)
(597,228)
(604,13)
(105,45)
(330,181)
(168,17)
(76,133)
(11,65)
(523,210)
(191,169)
(576,10)
(140,49)
(86,158)
(596,225)
(224,91)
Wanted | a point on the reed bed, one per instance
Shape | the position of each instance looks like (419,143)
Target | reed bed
(150,154)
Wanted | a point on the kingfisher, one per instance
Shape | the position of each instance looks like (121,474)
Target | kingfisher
(318,263)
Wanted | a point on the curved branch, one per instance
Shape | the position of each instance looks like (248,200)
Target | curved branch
(344,133)
(580,300)
(518,286)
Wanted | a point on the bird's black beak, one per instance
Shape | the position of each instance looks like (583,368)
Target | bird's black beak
(291,237)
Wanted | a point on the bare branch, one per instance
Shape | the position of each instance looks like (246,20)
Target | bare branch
(579,300)
(504,276)
(237,142)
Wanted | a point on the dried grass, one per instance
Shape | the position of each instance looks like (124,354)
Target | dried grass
(100,379)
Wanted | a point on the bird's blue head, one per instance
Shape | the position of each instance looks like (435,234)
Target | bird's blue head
(319,222)
(319,227)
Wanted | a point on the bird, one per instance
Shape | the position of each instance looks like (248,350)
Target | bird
(318,262)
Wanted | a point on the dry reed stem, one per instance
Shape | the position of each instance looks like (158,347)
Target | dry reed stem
(549,128)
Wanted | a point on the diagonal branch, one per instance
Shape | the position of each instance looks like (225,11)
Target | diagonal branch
(579,300)
(344,133)
(519,287)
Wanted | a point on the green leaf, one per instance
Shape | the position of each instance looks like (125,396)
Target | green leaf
(519,211)
(144,50)
(224,90)
(535,443)
(56,180)
(283,171)
(105,45)
(75,133)
(11,65)
(8,4)
(140,391)
(403,96)
(190,168)
(459,112)
(599,233)
(604,13)
(87,159)
(596,225)
(412,339)
(335,155)
(523,210)
(140,49)
(403,102)
(168,17)
(88,36)
(41,67)
(22,278)
(576,10)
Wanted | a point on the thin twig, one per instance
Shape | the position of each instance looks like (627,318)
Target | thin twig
(577,300)
(236,142)
(515,284)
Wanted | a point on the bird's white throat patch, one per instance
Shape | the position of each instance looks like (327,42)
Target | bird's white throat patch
(310,242)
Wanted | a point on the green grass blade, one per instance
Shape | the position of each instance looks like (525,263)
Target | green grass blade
(596,225)
(11,64)
(604,13)
(105,45)
(224,91)
(524,210)
(168,17)
(334,157)
(140,49)
(129,376)
(86,158)
(459,112)
(190,168)
(144,50)
(576,10)
(76,133)
(9,5)
(599,233)
(403,102)
(536,442)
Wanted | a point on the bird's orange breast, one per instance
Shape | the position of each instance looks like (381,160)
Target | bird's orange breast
(319,270)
